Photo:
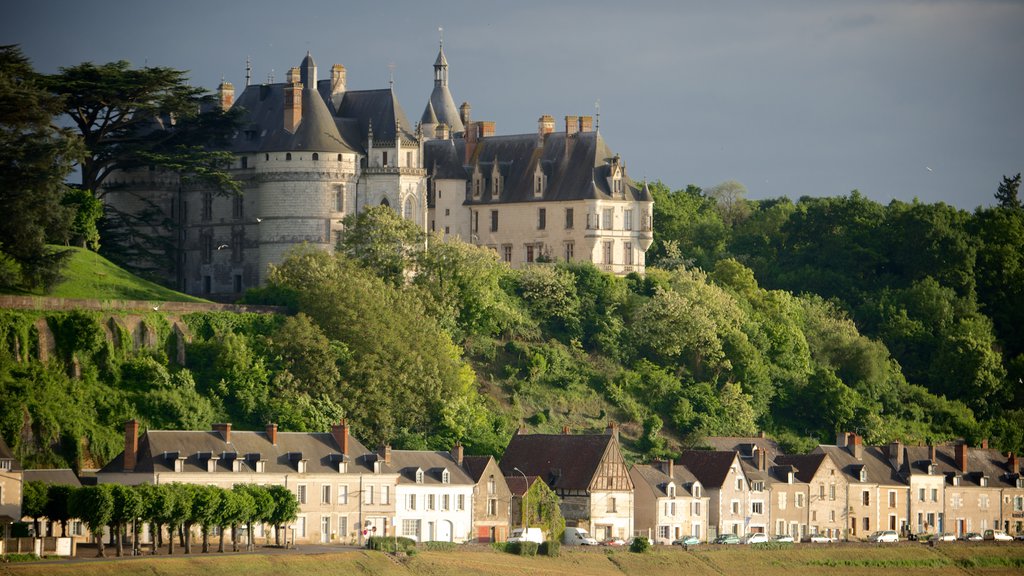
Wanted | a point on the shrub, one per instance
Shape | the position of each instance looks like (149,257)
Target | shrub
(528,548)
(436,546)
(19,557)
(550,548)
(500,546)
(388,544)
(640,545)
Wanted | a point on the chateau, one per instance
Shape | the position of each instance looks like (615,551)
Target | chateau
(309,152)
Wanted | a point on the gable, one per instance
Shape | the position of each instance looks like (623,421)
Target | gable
(611,473)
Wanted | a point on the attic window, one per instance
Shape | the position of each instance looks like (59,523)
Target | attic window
(5,464)
(1020,483)
(757,486)
(696,491)
(671,490)
(789,477)
(288,156)
(339,157)
(956,480)
(445,476)
(419,476)
(316,156)
(983,481)
(863,475)
(931,469)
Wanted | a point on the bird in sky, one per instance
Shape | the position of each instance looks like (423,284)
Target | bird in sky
(928,168)
(258,219)
(222,246)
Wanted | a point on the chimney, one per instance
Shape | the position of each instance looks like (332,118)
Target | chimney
(565,429)
(464,111)
(385,453)
(961,456)
(457,453)
(896,454)
(841,439)
(226,94)
(471,138)
(931,453)
(225,431)
(545,125)
(984,444)
(272,433)
(586,123)
(1012,463)
(762,460)
(486,129)
(441,131)
(131,445)
(762,434)
(855,446)
(613,430)
(572,124)
(668,467)
(293,102)
(340,434)
(337,79)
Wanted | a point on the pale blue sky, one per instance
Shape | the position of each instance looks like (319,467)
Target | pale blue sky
(788,97)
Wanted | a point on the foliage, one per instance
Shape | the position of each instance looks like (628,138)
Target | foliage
(94,505)
(35,158)
(1006,194)
(383,242)
(550,548)
(640,544)
(388,544)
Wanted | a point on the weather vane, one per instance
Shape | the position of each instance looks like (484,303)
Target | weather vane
(440,34)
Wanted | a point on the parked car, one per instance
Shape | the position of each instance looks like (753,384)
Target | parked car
(997,535)
(1019,537)
(686,541)
(727,539)
(972,537)
(820,539)
(613,542)
(527,535)
(755,538)
(944,537)
(884,536)
(578,537)
(784,538)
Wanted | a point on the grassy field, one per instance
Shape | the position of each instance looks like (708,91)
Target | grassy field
(89,275)
(906,559)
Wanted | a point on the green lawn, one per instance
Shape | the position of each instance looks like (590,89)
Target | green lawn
(89,275)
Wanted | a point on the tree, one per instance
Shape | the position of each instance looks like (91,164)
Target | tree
(206,508)
(94,505)
(261,510)
(35,158)
(542,506)
(237,505)
(157,509)
(126,510)
(33,502)
(382,241)
(730,198)
(57,498)
(286,509)
(1007,192)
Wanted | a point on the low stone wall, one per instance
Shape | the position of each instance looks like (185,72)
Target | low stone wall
(47,303)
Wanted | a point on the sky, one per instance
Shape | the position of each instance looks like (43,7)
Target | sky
(898,99)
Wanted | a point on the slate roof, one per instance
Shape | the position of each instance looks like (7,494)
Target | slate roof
(262,127)
(158,450)
(361,108)
(563,461)
(577,171)
(441,106)
(7,454)
(980,462)
(657,480)
(518,485)
(743,445)
(406,462)
(54,476)
(805,466)
(711,467)
(875,460)
(475,466)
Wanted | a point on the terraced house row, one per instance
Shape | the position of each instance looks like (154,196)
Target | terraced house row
(739,485)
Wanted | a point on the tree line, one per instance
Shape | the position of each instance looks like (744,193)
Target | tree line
(176,507)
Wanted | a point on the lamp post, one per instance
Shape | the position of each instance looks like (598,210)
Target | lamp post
(526,491)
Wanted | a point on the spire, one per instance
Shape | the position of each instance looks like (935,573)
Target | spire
(441,66)
(444,110)
(307,72)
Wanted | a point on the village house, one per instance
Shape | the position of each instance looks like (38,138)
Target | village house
(586,471)
(434,495)
(53,477)
(10,491)
(669,502)
(876,495)
(492,499)
(732,507)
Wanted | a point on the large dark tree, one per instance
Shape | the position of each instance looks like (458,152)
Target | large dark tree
(1007,192)
(35,157)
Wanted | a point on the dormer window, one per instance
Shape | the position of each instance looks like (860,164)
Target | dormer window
(5,464)
(300,466)
(446,476)
(1020,482)
(419,476)
(931,469)
(863,475)
(789,478)
(956,480)
(757,486)
(983,481)
(696,491)
(538,182)
(671,490)
(261,466)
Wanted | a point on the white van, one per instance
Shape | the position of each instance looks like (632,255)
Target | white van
(526,535)
(577,537)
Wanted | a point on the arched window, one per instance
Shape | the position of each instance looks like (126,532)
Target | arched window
(288,156)
(407,210)
(419,476)
(445,476)
(316,156)
(385,202)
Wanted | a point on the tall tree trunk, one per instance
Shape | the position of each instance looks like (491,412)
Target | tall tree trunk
(181,534)
(188,538)
(63,528)
(170,538)
(206,539)
(220,546)
(248,538)
(156,535)
(101,552)
(277,534)
(119,531)
(135,536)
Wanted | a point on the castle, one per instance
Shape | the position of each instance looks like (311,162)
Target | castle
(309,152)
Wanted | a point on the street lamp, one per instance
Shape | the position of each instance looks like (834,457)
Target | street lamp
(526,490)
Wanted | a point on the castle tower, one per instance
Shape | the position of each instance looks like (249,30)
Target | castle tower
(444,110)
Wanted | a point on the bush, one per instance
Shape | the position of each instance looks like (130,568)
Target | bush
(19,558)
(528,548)
(387,544)
(436,546)
(640,545)
(500,546)
(550,548)
(772,546)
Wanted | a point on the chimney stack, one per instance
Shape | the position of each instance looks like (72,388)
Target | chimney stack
(385,453)
(272,433)
(961,456)
(293,101)
(486,129)
(1012,463)
(225,431)
(931,453)
(226,93)
(984,444)
(855,446)
(131,445)
(442,132)
(464,111)
(586,123)
(471,134)
(572,125)
(613,430)
(338,75)
(457,453)
(762,460)
(340,434)
(896,454)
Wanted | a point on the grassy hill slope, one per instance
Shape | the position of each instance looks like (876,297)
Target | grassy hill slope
(89,275)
